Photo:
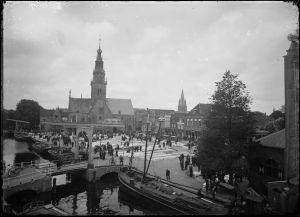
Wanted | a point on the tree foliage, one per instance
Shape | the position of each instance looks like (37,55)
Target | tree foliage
(229,124)
(28,110)
(276,114)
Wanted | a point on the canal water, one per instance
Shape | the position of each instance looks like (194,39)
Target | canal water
(78,197)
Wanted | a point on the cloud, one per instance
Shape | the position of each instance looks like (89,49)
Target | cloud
(155,34)
(150,51)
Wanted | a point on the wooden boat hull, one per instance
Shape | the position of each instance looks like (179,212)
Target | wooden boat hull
(181,205)
(137,193)
(42,150)
(27,139)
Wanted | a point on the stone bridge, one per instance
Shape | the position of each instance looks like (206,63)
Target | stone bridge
(96,173)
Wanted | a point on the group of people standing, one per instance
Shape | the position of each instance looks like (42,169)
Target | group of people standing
(188,163)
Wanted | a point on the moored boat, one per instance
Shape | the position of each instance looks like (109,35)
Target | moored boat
(61,154)
(149,188)
(139,184)
(22,137)
(40,147)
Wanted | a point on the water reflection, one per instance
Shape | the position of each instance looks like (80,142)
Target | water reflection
(12,150)
(79,197)
(25,157)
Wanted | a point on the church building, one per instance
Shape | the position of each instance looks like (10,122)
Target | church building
(98,110)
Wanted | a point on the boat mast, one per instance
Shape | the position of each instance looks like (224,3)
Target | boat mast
(160,120)
(146,147)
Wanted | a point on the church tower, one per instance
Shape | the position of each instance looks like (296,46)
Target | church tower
(182,104)
(98,84)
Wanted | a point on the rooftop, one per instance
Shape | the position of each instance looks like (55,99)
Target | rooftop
(274,140)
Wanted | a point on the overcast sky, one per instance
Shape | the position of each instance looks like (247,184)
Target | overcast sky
(151,50)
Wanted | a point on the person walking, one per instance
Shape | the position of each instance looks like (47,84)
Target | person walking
(188,159)
(199,193)
(104,153)
(214,191)
(191,170)
(186,164)
(206,185)
(100,153)
(181,159)
(121,160)
(168,174)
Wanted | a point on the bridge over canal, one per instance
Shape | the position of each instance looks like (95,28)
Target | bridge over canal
(38,177)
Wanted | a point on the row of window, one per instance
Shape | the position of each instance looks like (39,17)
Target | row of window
(193,119)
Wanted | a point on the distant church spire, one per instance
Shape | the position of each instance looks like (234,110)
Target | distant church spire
(182,103)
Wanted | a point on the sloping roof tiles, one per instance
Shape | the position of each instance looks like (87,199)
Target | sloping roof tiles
(274,140)
(82,105)
(201,109)
(123,106)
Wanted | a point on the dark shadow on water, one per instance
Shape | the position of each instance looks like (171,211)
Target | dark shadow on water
(21,198)
(103,197)
(25,157)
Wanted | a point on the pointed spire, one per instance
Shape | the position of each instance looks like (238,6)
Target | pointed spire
(182,96)
(70,93)
(182,100)
(182,103)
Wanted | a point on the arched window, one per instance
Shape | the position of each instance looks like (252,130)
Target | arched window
(271,168)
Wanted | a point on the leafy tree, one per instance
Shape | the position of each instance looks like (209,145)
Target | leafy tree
(276,114)
(229,125)
(282,109)
(260,119)
(272,127)
(28,110)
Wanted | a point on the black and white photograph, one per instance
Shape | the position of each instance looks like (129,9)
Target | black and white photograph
(154,108)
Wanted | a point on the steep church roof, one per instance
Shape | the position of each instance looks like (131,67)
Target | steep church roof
(120,106)
(81,105)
